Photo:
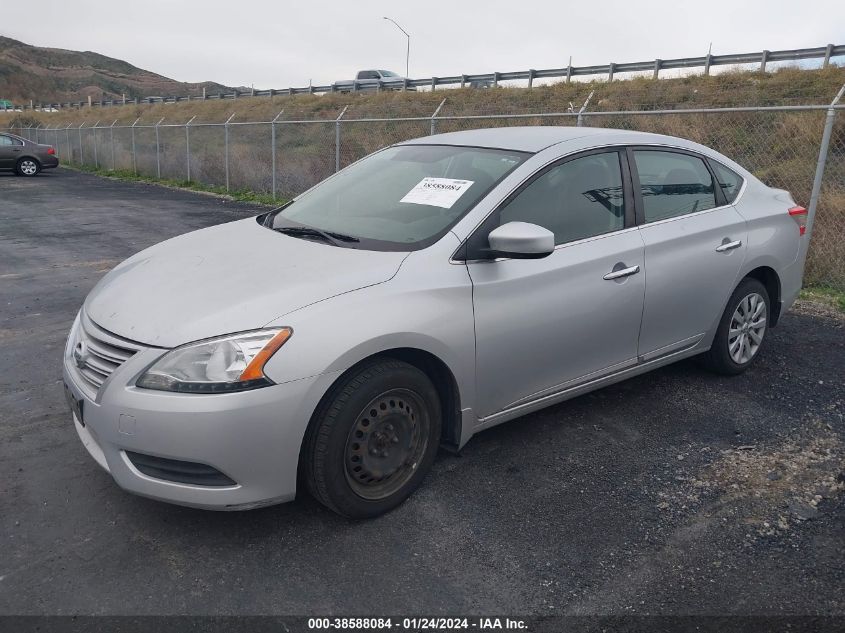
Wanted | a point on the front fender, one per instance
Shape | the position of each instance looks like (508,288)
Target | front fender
(430,311)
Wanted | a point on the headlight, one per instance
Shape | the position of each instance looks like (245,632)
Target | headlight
(228,363)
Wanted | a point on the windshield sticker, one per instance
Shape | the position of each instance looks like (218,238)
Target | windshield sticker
(437,192)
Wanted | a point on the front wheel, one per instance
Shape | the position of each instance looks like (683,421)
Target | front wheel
(27,167)
(373,439)
(741,331)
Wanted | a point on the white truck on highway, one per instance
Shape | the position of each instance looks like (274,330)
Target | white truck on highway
(373,80)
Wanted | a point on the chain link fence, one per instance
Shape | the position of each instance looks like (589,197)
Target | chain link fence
(780,145)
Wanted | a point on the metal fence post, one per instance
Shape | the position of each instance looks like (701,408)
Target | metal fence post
(226,147)
(69,148)
(823,150)
(111,140)
(273,151)
(434,118)
(580,120)
(134,155)
(36,133)
(79,129)
(94,132)
(158,152)
(337,139)
(828,51)
(188,148)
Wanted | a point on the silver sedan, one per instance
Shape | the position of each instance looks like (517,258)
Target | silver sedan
(429,291)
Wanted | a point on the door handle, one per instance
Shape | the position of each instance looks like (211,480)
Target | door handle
(622,272)
(728,246)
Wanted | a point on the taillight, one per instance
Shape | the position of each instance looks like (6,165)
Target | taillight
(799,214)
(50,150)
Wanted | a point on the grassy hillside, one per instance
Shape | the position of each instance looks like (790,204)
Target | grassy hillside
(788,86)
(32,72)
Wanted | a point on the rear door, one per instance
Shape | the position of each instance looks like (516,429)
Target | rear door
(694,248)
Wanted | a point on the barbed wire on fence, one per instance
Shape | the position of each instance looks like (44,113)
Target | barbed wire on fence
(800,148)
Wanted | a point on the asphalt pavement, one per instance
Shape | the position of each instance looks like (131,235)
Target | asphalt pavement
(677,492)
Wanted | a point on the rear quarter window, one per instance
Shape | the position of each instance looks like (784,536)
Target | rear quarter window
(728,180)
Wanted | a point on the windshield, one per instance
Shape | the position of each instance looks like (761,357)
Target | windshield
(403,198)
(388,73)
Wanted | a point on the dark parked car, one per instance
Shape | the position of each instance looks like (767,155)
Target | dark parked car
(25,157)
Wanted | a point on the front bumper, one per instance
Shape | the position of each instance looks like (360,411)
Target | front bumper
(253,437)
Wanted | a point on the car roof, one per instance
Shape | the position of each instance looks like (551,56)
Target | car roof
(537,138)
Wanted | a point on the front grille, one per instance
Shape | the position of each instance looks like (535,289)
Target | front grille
(96,354)
(178,471)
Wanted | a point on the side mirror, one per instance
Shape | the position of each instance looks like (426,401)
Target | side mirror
(521,240)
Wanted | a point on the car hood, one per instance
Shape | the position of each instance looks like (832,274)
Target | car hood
(227,278)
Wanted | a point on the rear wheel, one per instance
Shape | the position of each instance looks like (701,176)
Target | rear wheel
(373,439)
(742,329)
(27,167)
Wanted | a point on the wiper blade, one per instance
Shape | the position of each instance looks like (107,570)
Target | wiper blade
(307,232)
(342,237)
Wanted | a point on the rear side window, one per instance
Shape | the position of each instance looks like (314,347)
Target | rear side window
(729,181)
(673,184)
(577,199)
(6,140)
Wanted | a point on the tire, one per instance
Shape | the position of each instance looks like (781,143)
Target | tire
(27,167)
(734,349)
(373,439)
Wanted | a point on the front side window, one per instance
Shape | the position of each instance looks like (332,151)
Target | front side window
(577,199)
(402,198)
(673,184)
(729,181)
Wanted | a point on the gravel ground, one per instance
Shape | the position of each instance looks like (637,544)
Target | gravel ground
(678,492)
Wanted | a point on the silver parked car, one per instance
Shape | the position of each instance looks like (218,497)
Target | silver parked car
(429,291)
(25,157)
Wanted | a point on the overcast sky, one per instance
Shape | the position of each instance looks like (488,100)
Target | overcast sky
(276,43)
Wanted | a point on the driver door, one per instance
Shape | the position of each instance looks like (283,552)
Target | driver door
(543,325)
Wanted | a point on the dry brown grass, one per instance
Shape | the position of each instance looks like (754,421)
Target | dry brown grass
(785,86)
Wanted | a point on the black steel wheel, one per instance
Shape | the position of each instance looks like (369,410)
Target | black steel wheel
(386,443)
(373,438)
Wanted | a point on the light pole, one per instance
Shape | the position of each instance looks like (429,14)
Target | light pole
(408,52)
